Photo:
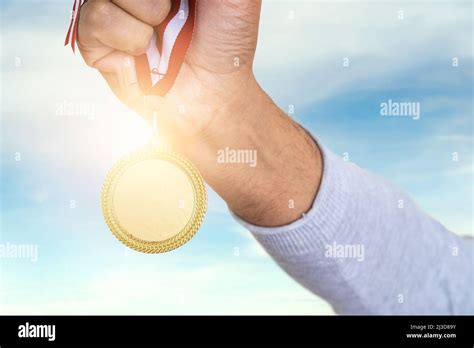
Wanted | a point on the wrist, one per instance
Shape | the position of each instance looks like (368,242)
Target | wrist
(234,124)
(275,176)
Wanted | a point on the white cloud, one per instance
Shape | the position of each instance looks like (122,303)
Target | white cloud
(153,289)
(307,53)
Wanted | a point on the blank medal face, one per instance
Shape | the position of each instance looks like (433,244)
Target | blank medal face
(154,201)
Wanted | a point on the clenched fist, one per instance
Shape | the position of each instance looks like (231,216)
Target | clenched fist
(215,74)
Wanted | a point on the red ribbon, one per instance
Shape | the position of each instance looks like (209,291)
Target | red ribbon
(71,35)
(177,53)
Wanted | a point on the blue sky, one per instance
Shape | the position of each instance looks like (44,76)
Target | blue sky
(81,268)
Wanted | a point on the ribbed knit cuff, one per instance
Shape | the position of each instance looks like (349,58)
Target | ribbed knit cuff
(320,224)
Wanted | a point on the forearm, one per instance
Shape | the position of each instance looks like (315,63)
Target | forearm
(280,186)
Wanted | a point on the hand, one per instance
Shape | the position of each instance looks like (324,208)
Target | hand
(215,75)
(223,104)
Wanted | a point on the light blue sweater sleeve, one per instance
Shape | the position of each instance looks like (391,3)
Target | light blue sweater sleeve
(367,248)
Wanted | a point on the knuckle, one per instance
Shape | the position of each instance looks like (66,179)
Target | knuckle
(98,13)
(88,58)
(141,43)
(90,63)
(157,11)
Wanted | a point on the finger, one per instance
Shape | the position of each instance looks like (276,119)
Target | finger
(104,24)
(121,76)
(152,12)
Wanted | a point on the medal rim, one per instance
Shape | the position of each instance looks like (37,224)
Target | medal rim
(191,227)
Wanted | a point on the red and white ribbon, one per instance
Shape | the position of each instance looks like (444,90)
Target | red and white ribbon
(158,68)
(71,35)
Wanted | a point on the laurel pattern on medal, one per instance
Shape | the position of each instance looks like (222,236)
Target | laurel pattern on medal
(192,226)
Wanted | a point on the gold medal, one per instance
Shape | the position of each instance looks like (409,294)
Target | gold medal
(154,200)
